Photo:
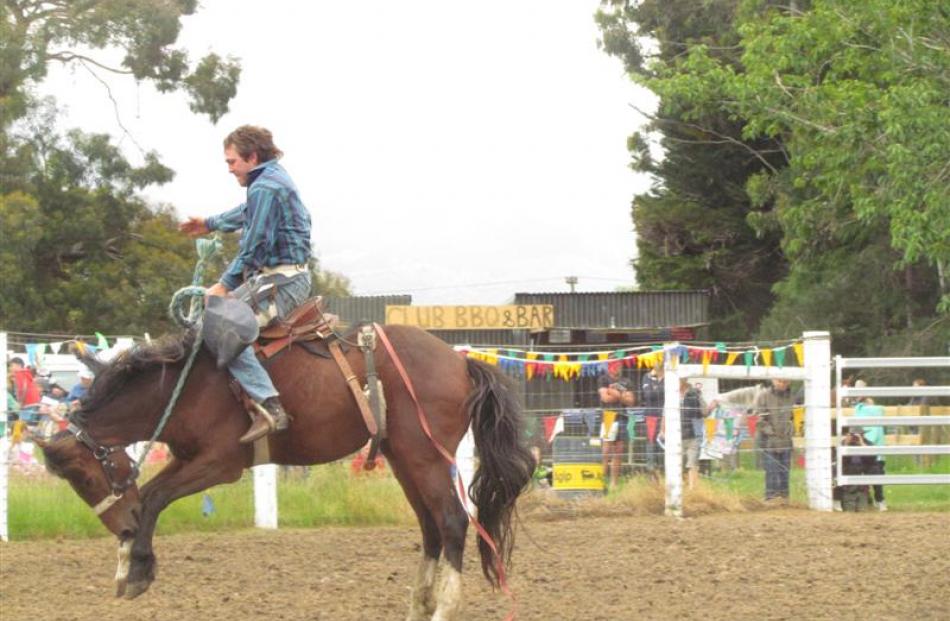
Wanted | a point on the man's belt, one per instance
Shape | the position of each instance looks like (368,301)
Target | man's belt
(285,270)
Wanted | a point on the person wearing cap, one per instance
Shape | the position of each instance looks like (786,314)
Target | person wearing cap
(56,392)
(271,271)
(77,392)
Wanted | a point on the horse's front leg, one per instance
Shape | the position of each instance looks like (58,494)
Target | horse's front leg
(177,480)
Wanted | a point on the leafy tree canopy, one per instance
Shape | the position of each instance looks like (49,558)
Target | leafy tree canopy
(857,92)
(35,33)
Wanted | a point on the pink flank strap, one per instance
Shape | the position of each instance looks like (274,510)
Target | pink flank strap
(460,485)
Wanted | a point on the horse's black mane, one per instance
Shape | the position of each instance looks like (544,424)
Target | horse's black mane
(166,350)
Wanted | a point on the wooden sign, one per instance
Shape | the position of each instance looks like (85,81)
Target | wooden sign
(506,317)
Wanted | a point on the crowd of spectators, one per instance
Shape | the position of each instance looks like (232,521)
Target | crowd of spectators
(38,402)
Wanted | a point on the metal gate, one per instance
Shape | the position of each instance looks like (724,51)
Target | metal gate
(842,421)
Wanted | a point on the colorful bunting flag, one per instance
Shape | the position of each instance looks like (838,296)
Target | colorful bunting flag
(799,353)
(780,356)
(751,422)
(798,418)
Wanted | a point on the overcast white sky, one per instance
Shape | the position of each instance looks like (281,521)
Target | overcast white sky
(459,152)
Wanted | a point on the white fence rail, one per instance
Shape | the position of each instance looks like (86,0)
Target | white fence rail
(843,421)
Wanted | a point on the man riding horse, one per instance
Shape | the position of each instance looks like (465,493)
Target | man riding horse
(271,270)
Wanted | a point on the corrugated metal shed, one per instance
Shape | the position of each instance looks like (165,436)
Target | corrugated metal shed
(484,338)
(355,309)
(628,309)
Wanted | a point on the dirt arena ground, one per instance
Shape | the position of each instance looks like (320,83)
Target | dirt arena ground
(786,564)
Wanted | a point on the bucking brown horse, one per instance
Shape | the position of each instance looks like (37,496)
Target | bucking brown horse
(129,396)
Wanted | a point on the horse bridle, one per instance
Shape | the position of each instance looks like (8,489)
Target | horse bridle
(103,455)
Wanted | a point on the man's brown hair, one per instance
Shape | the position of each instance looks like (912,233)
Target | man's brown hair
(248,139)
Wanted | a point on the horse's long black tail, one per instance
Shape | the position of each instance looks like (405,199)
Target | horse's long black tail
(504,463)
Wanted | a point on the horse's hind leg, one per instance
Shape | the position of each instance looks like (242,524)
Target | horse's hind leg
(422,602)
(453,525)
(430,490)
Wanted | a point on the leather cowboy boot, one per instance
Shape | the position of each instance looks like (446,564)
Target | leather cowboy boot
(269,417)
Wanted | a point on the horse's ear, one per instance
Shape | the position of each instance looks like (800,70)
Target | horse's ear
(86,356)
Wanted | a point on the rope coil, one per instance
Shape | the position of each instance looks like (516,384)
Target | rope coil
(195,293)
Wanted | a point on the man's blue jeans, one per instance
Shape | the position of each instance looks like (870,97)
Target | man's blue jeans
(245,368)
(777,462)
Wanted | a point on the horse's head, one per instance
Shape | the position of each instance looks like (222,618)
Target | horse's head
(103,477)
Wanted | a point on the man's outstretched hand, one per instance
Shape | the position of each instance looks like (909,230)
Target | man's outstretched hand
(194,227)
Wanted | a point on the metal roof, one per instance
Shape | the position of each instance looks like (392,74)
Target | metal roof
(355,309)
(627,309)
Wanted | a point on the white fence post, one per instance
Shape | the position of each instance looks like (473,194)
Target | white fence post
(4,446)
(817,364)
(265,495)
(673,438)
(465,458)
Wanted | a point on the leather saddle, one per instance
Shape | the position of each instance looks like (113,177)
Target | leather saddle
(306,323)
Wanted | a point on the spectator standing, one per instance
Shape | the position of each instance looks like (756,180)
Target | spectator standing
(692,410)
(774,408)
(616,393)
(652,398)
(874,436)
(25,390)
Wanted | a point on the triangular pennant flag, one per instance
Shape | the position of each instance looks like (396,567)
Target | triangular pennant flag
(31,353)
(799,353)
(798,419)
(767,356)
(551,424)
(710,428)
(651,427)
(609,417)
(748,357)
(101,341)
(706,356)
(751,421)
(780,357)
(730,422)
(721,348)
(530,367)
(731,357)
(55,347)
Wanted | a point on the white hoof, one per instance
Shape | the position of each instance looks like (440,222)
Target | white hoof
(422,603)
(124,554)
(449,595)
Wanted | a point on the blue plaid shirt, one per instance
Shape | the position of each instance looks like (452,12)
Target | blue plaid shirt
(276,225)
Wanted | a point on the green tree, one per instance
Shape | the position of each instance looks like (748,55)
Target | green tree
(327,283)
(692,229)
(35,33)
(79,250)
(850,100)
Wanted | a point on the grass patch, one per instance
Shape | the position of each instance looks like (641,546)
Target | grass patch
(44,507)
